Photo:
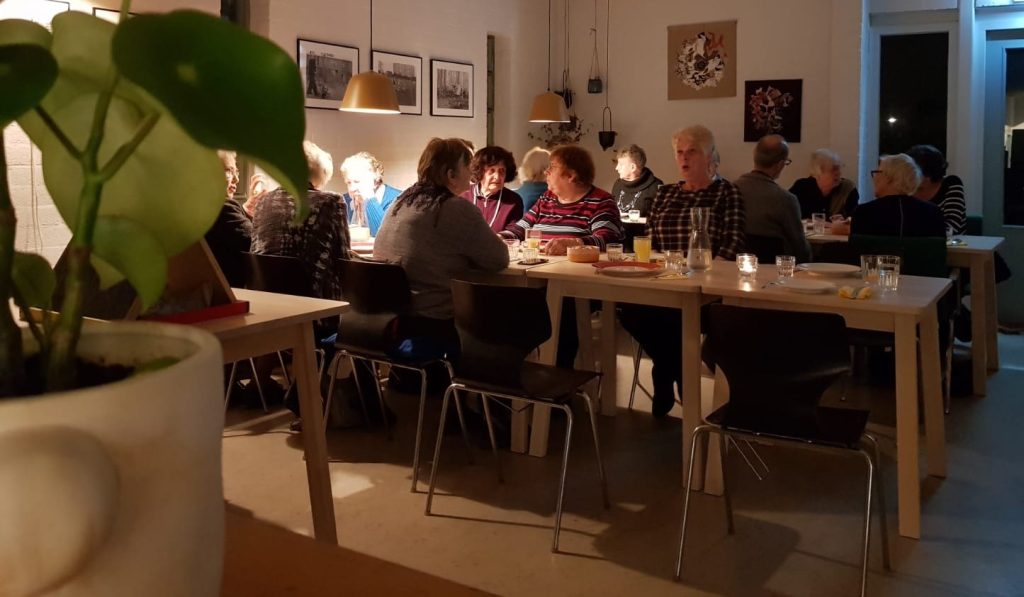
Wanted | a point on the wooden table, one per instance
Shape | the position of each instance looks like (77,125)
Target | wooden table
(978,256)
(910,314)
(278,322)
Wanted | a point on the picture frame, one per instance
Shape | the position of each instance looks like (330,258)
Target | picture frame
(773,107)
(110,15)
(326,69)
(702,60)
(451,88)
(406,74)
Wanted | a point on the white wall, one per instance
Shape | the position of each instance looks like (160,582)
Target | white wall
(814,40)
(883,6)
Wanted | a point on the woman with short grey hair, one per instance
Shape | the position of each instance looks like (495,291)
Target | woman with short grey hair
(894,212)
(825,190)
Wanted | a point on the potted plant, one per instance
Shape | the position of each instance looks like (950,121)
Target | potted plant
(110,475)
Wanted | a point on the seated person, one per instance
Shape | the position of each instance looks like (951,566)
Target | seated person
(231,234)
(531,173)
(368,198)
(320,240)
(491,168)
(771,210)
(825,190)
(658,329)
(947,192)
(894,212)
(435,236)
(572,212)
(636,185)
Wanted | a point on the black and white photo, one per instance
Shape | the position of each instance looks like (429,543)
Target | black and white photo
(406,74)
(451,89)
(113,16)
(326,70)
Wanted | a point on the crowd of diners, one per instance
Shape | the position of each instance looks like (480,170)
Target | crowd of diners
(457,215)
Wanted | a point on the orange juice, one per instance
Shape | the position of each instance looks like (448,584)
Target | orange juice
(642,248)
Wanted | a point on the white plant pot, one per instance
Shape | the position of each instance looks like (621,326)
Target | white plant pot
(116,489)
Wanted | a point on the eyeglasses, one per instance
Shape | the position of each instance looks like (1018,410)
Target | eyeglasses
(873,172)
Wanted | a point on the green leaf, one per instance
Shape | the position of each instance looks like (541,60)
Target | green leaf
(132,250)
(34,279)
(107,273)
(27,69)
(229,88)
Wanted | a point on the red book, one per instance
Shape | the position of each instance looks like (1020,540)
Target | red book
(205,314)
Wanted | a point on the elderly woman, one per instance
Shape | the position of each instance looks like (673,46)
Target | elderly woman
(320,240)
(231,234)
(367,194)
(572,212)
(947,192)
(894,212)
(491,168)
(435,236)
(825,190)
(531,173)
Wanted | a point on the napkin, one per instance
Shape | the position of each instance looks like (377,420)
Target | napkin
(856,293)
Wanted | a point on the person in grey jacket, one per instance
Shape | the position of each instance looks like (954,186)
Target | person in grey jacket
(636,185)
(771,210)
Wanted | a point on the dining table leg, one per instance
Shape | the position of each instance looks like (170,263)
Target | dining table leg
(991,315)
(979,325)
(691,385)
(541,417)
(609,355)
(931,395)
(587,353)
(907,440)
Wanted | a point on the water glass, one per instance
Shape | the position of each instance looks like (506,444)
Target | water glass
(818,223)
(785,265)
(642,248)
(614,251)
(674,261)
(530,254)
(634,215)
(513,248)
(533,238)
(888,272)
(869,269)
(746,263)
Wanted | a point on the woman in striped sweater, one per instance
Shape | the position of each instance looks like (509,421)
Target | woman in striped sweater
(947,192)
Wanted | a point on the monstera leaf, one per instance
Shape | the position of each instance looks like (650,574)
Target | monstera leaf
(27,69)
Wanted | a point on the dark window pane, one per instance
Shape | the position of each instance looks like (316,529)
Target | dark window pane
(1013,182)
(913,88)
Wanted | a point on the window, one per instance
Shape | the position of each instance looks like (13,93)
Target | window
(913,91)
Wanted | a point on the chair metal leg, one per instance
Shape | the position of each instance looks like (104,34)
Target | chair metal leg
(490,431)
(880,494)
(284,370)
(597,449)
(231,385)
(333,372)
(359,389)
(380,398)
(419,430)
(462,425)
(867,525)
(259,387)
(723,445)
(729,440)
(700,430)
(637,355)
(561,480)
(437,449)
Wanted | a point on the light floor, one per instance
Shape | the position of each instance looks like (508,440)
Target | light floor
(797,532)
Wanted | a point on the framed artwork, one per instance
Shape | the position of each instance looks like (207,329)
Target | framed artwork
(702,60)
(326,70)
(406,73)
(451,89)
(114,16)
(773,107)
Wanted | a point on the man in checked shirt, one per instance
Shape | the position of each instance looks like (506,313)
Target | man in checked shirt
(657,329)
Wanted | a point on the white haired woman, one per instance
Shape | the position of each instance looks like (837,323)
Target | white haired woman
(825,190)
(894,212)
(531,173)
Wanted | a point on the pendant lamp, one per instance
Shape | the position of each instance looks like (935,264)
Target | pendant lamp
(370,92)
(548,106)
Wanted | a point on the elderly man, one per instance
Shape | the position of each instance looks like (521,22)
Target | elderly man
(658,329)
(367,194)
(772,211)
(825,190)
(636,185)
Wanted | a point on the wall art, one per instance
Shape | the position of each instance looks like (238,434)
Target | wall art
(773,107)
(326,70)
(702,60)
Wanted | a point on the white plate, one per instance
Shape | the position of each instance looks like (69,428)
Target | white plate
(829,269)
(631,271)
(805,286)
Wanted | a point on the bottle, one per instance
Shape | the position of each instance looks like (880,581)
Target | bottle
(698,254)
(358,227)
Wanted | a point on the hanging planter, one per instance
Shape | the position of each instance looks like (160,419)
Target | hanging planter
(594,83)
(606,136)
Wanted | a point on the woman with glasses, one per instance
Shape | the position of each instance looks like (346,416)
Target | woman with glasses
(894,212)
(825,190)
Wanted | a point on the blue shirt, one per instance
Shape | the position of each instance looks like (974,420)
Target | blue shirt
(375,209)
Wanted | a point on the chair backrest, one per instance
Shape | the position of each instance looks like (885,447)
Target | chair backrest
(498,327)
(377,293)
(274,273)
(765,247)
(777,363)
(919,256)
(974,226)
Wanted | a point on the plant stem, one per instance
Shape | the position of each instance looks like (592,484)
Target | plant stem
(12,360)
(126,150)
(52,125)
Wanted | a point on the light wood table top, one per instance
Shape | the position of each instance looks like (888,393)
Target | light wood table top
(268,310)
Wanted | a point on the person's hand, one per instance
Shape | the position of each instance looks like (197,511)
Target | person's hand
(257,186)
(558,246)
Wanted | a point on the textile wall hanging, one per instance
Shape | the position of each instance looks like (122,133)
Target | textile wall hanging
(702,60)
(773,107)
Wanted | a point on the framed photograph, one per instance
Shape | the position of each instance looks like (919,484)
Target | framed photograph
(326,70)
(114,16)
(406,73)
(451,89)
(773,107)
(702,60)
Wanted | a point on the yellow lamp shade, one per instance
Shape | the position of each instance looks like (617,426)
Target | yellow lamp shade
(370,92)
(548,107)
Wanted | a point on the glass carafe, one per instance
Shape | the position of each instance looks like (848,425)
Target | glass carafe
(698,254)
(358,226)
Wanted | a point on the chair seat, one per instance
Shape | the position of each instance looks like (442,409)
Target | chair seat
(362,352)
(838,427)
(544,383)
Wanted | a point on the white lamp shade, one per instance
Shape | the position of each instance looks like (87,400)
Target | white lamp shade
(370,92)
(548,107)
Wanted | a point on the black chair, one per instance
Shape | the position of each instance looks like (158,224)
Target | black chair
(765,247)
(499,327)
(378,294)
(778,364)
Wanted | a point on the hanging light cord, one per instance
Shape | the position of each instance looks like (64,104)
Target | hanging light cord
(371,34)
(549,45)
(607,36)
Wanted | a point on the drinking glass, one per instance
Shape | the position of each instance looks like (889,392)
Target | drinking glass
(614,251)
(533,237)
(818,223)
(674,261)
(786,265)
(888,272)
(530,254)
(642,248)
(746,263)
(869,269)
(634,215)
(513,248)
